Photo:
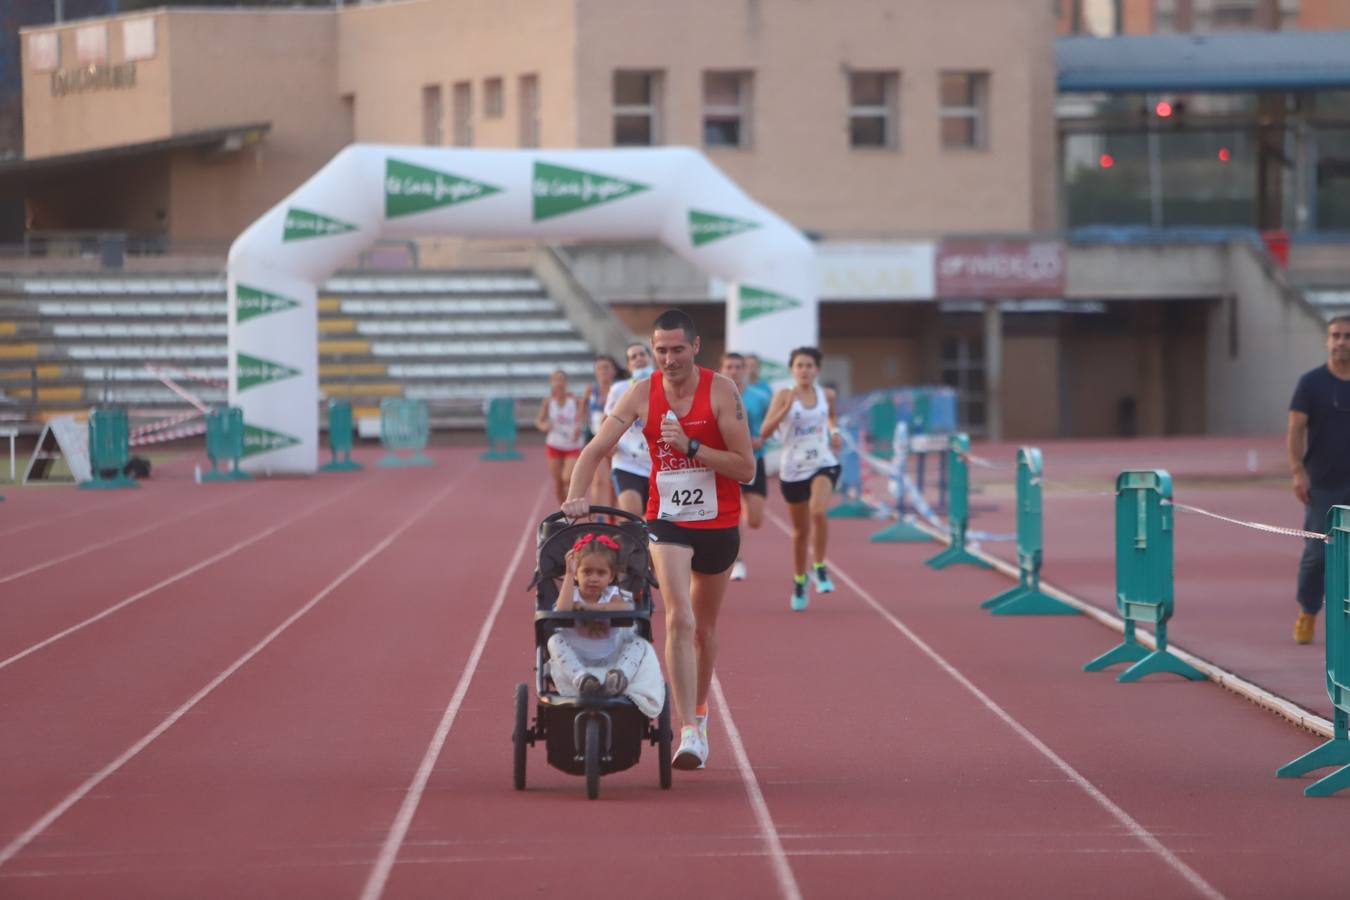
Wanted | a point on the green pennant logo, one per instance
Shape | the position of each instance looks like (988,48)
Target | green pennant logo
(301,224)
(704,228)
(558,190)
(250,302)
(756,302)
(251,371)
(260,440)
(412,189)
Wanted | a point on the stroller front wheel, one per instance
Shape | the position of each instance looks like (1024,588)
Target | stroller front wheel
(592,757)
(521,735)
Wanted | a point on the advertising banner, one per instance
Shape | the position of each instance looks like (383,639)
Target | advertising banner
(1000,269)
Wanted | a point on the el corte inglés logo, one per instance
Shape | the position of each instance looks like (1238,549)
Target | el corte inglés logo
(412,189)
(251,371)
(302,224)
(558,190)
(756,302)
(261,440)
(705,227)
(251,302)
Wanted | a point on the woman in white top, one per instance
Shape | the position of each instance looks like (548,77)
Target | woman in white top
(607,372)
(809,467)
(632,462)
(560,418)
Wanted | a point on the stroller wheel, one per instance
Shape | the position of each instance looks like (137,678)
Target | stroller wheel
(520,737)
(592,757)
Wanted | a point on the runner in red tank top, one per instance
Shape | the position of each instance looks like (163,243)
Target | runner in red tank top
(699,438)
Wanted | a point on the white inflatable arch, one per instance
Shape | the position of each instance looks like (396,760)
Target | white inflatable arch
(373,192)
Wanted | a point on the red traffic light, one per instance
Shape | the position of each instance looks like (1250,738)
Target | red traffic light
(1163,110)
(1106,160)
(1224,155)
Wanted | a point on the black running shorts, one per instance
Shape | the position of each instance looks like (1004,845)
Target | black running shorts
(715,549)
(800,491)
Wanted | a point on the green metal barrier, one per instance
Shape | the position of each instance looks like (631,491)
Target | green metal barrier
(109,449)
(501,431)
(340,438)
(1027,599)
(404,425)
(881,426)
(1335,752)
(225,444)
(1144,575)
(958,508)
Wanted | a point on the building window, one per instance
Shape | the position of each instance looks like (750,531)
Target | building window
(726,109)
(1230,15)
(463,112)
(963,369)
(872,109)
(138,39)
(637,108)
(44,51)
(431,115)
(492,98)
(91,45)
(964,97)
(529,110)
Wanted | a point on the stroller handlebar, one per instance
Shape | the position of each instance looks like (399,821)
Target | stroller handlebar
(599,510)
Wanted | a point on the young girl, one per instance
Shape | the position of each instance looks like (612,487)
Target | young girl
(809,469)
(560,417)
(594,658)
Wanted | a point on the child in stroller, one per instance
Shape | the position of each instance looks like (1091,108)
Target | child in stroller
(591,650)
(596,623)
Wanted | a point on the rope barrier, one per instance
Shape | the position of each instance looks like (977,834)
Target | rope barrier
(1258,526)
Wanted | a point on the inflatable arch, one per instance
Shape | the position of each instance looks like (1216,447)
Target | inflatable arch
(373,192)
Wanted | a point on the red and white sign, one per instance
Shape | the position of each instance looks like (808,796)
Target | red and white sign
(999,269)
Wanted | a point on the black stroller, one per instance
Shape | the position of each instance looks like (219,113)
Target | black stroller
(589,736)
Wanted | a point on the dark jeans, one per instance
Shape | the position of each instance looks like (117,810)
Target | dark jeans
(1312,567)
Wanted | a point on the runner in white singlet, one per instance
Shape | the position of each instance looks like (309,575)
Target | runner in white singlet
(809,467)
(560,418)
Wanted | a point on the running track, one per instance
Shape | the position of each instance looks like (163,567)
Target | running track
(302,688)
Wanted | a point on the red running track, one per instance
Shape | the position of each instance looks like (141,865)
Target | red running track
(325,712)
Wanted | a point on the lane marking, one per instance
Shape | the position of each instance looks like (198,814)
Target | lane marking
(74,512)
(238,495)
(16,845)
(210,560)
(787,883)
(1139,832)
(384,863)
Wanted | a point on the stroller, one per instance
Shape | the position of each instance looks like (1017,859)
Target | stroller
(596,735)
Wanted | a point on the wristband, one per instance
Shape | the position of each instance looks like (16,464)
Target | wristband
(694,444)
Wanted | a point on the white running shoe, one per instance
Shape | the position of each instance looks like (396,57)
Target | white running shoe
(738,571)
(692,750)
(703,733)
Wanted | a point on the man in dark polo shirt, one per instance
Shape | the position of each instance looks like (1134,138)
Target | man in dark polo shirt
(1319,455)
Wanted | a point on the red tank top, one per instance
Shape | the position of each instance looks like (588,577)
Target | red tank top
(701,424)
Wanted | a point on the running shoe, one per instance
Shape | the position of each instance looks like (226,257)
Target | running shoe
(738,571)
(823,583)
(692,750)
(703,733)
(799,598)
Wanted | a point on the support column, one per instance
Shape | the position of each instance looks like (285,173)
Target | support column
(993,370)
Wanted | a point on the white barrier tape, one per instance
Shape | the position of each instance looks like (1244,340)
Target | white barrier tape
(188,376)
(170,435)
(142,430)
(177,389)
(1258,526)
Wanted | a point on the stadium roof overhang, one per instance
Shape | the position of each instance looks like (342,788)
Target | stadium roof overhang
(1248,61)
(214,141)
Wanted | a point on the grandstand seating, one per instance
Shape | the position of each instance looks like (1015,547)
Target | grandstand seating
(452,338)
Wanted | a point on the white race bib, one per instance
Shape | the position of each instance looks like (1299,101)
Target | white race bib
(804,457)
(687,495)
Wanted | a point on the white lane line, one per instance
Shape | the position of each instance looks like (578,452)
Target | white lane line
(384,863)
(210,560)
(101,775)
(66,515)
(787,882)
(1142,834)
(125,536)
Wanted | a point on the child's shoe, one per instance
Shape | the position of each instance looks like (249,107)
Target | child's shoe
(823,583)
(590,686)
(615,683)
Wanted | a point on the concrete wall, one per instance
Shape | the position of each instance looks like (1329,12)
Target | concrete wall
(1260,340)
